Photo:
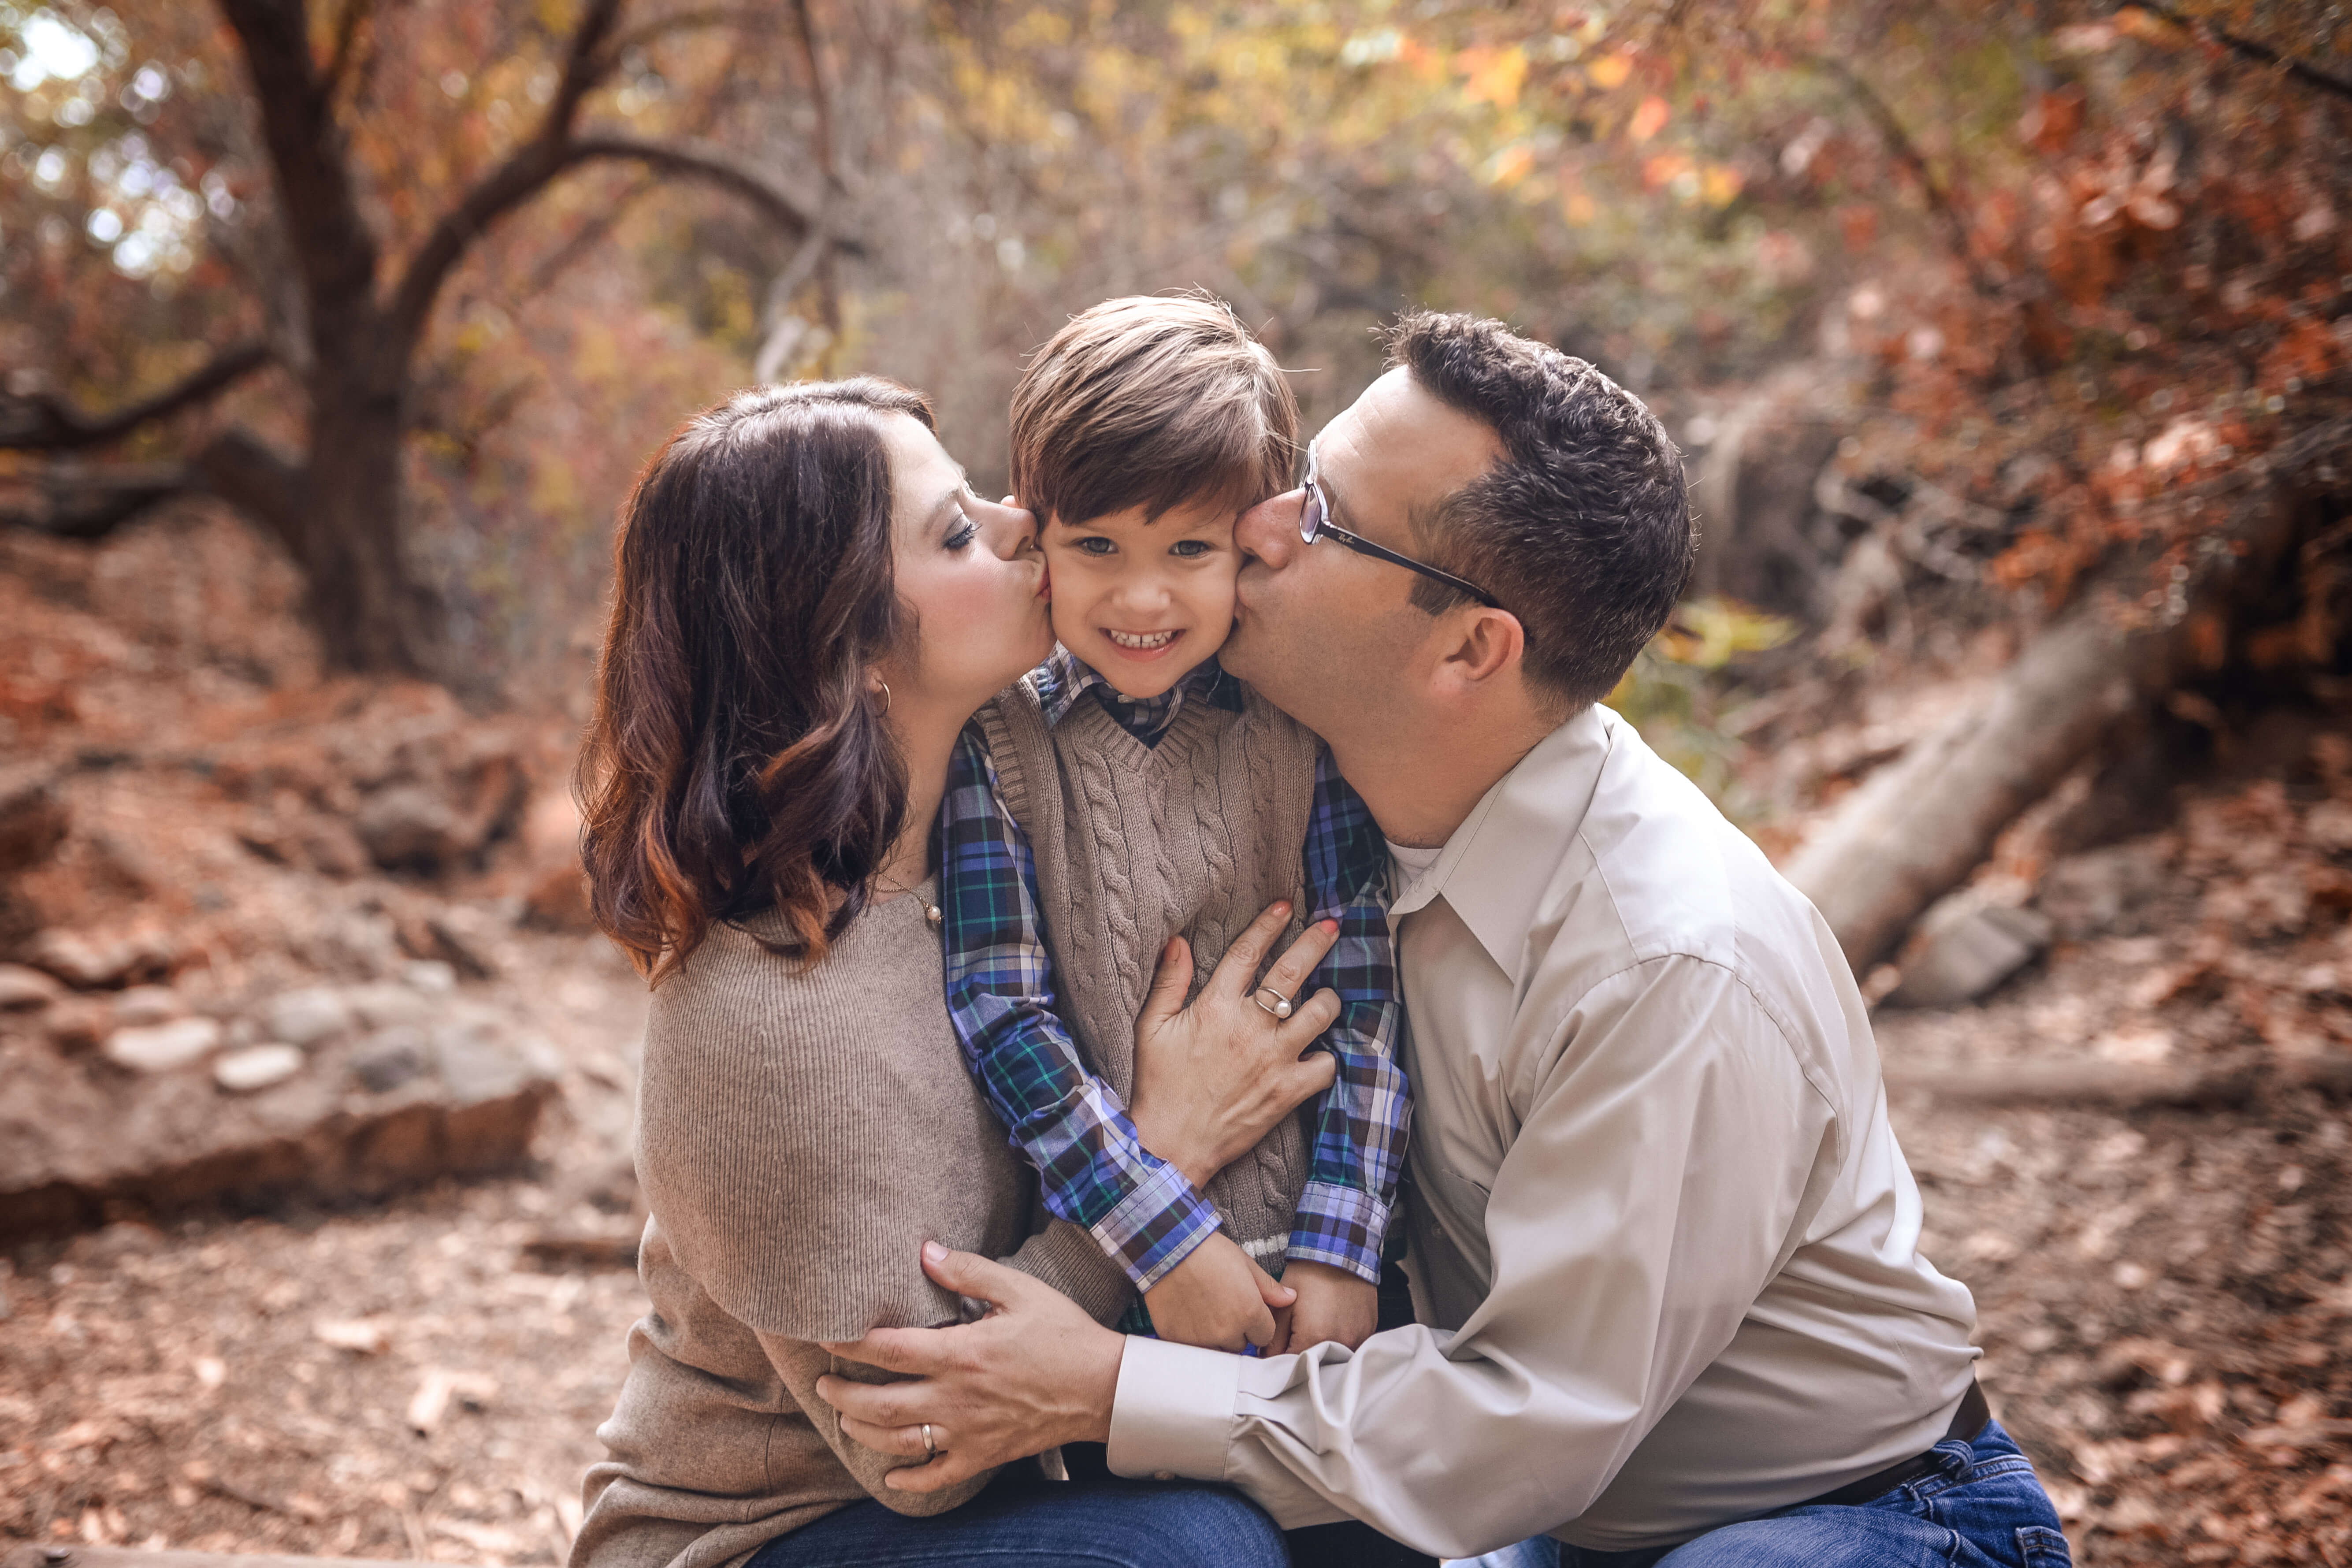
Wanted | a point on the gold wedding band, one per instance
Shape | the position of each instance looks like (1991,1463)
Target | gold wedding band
(930,1449)
(1281,1008)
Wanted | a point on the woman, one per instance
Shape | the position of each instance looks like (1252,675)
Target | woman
(809,603)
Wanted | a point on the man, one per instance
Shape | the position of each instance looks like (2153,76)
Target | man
(1661,1240)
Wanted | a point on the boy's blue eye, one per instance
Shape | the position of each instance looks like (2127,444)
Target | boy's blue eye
(1189,549)
(1095,544)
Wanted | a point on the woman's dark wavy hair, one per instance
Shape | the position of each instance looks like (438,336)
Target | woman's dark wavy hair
(735,763)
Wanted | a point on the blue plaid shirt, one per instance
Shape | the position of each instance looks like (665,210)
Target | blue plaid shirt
(1068,1121)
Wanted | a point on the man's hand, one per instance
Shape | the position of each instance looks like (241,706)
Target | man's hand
(1035,1374)
(1217,1298)
(1214,1079)
(1332,1304)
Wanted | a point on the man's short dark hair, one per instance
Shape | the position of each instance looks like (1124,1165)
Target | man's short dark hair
(1582,530)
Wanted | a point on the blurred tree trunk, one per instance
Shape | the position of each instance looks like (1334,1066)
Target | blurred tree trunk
(338,507)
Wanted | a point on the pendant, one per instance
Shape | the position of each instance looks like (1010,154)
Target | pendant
(931,913)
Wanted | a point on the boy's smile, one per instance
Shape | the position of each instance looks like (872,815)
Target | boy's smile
(1144,603)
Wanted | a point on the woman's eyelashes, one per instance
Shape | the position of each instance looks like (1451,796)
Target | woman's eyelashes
(962,529)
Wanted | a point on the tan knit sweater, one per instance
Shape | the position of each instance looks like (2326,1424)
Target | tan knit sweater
(1136,844)
(799,1136)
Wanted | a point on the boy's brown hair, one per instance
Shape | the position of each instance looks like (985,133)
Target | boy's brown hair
(1156,400)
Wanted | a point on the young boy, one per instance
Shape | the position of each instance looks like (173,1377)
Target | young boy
(1127,792)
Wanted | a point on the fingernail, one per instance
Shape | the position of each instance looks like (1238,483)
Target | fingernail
(934,1253)
(1331,926)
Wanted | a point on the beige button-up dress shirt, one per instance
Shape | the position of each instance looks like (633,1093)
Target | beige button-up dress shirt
(1663,1246)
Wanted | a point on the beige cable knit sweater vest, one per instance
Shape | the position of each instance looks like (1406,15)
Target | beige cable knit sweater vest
(1137,844)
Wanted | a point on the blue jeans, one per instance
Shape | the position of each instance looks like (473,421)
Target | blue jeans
(1984,1508)
(1024,1522)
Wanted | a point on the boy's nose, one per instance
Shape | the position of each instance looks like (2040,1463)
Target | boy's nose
(1142,592)
(1269,531)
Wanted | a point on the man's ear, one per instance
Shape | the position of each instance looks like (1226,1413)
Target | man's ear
(1490,644)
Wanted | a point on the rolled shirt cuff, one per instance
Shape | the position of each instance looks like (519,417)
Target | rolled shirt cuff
(1343,1227)
(1172,1414)
(1156,1226)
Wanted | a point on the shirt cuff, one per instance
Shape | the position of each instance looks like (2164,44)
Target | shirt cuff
(1156,1226)
(1172,1414)
(1343,1227)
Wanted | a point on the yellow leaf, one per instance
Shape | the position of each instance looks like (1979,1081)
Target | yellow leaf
(1511,165)
(1609,71)
(1650,119)
(1497,79)
(1718,186)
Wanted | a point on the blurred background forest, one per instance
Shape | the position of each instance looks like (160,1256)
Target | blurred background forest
(2009,346)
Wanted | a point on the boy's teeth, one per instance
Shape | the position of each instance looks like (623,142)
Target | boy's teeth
(1140,639)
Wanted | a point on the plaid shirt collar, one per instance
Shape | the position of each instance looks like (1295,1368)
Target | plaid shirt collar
(1065,677)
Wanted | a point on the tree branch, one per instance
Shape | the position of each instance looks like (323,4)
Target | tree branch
(683,21)
(42,423)
(348,24)
(74,502)
(1940,203)
(2252,48)
(794,212)
(525,172)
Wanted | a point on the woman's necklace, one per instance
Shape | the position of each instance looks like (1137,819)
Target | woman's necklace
(931,910)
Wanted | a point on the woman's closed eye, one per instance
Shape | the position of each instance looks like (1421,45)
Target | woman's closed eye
(962,529)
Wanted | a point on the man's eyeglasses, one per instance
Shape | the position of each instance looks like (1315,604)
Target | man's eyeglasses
(1315,523)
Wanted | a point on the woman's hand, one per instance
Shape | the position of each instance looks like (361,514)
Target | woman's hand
(1214,1079)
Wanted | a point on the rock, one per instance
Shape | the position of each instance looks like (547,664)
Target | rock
(33,819)
(305,1017)
(1966,949)
(382,1005)
(258,1067)
(412,827)
(76,1023)
(390,1058)
(475,1064)
(361,943)
(2100,890)
(471,937)
(23,989)
(88,962)
(144,1004)
(445,795)
(557,899)
(159,1047)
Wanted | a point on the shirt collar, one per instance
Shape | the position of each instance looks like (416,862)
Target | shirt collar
(1498,865)
(1065,677)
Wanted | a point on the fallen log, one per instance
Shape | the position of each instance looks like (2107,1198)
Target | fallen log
(1917,826)
(2096,1083)
(2090,1083)
(79,1556)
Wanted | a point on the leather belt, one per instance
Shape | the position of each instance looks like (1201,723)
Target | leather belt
(1971,1418)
